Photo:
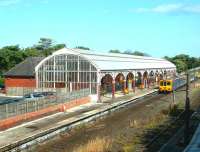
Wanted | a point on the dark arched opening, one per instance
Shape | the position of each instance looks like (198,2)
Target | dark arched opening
(130,81)
(145,79)
(119,82)
(138,79)
(106,84)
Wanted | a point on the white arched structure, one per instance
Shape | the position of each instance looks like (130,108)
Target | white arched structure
(75,69)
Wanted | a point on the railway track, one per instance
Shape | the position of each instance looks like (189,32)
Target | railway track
(160,138)
(55,131)
(48,134)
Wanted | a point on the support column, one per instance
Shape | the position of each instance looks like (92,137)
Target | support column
(124,86)
(148,82)
(98,86)
(142,83)
(66,74)
(113,89)
(133,85)
(158,80)
(54,74)
(154,81)
(78,73)
(99,92)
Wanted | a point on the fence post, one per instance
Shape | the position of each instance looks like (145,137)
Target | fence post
(6,110)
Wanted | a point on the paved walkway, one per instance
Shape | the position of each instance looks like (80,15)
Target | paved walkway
(30,129)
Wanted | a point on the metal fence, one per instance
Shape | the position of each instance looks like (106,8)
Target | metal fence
(19,91)
(32,105)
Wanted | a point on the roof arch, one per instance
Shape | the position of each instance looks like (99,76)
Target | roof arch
(115,61)
(65,51)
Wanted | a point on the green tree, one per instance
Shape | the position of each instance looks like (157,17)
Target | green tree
(44,45)
(115,51)
(82,47)
(128,52)
(1,81)
(10,56)
(58,47)
(184,62)
(137,53)
(32,52)
(180,65)
(13,54)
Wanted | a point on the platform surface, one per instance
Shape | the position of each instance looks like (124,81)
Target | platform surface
(30,129)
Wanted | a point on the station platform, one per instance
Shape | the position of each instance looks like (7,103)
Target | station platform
(27,132)
(194,145)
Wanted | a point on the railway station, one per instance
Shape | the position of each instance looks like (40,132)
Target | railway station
(96,74)
(86,85)
(99,76)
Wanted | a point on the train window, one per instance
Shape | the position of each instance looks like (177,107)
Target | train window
(165,83)
(168,83)
(161,83)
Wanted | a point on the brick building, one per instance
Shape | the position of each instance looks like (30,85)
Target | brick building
(22,76)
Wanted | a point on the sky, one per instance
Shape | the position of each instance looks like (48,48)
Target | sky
(156,27)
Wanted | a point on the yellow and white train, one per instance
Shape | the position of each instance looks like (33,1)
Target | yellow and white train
(169,85)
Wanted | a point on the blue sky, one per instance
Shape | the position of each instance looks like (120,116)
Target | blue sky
(156,27)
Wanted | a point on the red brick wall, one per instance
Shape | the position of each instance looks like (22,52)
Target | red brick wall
(20,82)
(16,120)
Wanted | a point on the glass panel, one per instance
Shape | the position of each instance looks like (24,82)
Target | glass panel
(70,71)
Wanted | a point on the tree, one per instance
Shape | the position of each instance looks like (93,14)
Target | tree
(13,54)
(14,48)
(184,62)
(32,52)
(115,51)
(44,45)
(58,46)
(1,81)
(10,56)
(180,65)
(82,47)
(128,52)
(137,53)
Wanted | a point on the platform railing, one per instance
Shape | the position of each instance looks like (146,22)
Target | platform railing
(31,105)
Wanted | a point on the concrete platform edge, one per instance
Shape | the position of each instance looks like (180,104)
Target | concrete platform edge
(70,123)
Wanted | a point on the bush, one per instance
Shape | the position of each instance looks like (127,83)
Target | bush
(1,81)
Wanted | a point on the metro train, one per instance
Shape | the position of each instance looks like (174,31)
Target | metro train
(170,85)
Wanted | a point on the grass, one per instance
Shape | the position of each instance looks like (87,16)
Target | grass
(132,146)
(96,145)
(145,124)
(136,142)
(151,123)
